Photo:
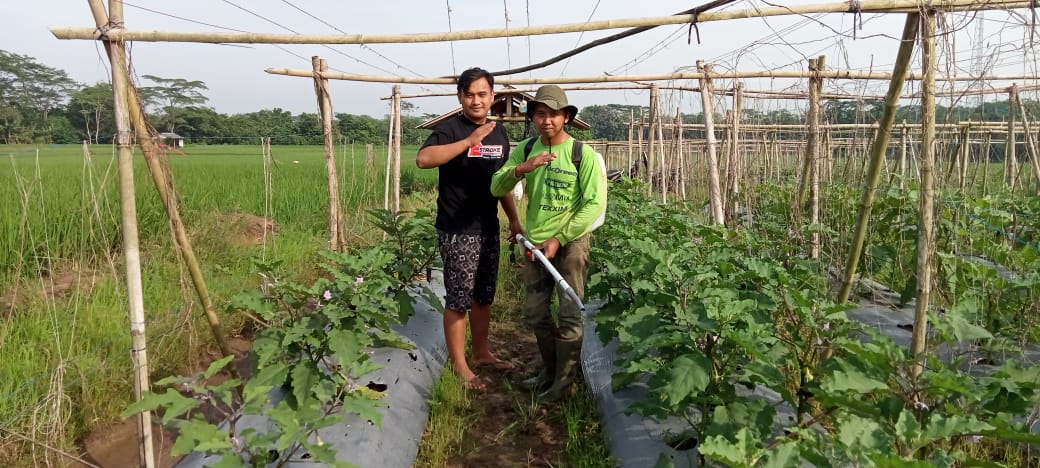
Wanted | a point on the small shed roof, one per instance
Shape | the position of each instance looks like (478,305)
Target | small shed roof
(506,107)
(170,136)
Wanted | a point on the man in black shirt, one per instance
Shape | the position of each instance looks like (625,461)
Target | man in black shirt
(467,149)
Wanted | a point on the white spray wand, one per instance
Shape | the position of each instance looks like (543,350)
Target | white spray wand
(562,283)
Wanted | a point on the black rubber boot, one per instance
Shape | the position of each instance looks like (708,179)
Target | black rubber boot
(568,366)
(545,377)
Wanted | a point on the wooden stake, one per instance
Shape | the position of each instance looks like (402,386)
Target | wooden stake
(925,231)
(644,173)
(679,154)
(128,211)
(714,184)
(1010,156)
(877,153)
(734,173)
(321,90)
(389,160)
(1030,145)
(962,180)
(666,175)
(397,148)
(816,87)
(628,167)
(652,137)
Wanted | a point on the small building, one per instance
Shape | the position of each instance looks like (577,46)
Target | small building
(510,105)
(171,139)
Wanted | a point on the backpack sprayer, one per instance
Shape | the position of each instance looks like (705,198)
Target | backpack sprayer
(533,253)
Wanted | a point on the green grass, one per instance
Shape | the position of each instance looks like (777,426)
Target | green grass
(60,217)
(453,410)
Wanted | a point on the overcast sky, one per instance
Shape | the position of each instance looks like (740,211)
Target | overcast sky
(237,82)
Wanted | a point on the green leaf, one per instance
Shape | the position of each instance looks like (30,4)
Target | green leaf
(850,378)
(345,346)
(955,325)
(741,452)
(304,376)
(863,435)
(941,427)
(200,436)
(907,428)
(216,366)
(173,402)
(359,404)
(786,455)
(688,375)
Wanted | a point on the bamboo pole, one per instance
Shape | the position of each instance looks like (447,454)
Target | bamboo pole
(811,150)
(1010,156)
(665,174)
(816,88)
(679,155)
(962,179)
(321,89)
(864,6)
(834,74)
(735,170)
(714,189)
(397,149)
(1030,145)
(877,153)
(651,140)
(985,164)
(389,160)
(163,182)
(925,231)
(128,213)
(748,93)
(644,173)
(628,166)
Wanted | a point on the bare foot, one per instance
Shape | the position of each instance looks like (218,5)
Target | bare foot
(491,361)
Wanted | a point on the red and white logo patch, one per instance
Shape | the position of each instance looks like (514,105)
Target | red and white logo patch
(485,151)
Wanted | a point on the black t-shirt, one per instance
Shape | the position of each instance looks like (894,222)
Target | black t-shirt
(464,200)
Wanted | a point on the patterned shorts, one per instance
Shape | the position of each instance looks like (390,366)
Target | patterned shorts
(470,269)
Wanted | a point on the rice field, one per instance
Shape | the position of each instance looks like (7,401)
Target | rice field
(64,340)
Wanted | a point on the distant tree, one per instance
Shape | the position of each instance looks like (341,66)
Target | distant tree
(90,109)
(33,90)
(172,95)
(407,107)
(361,128)
(609,122)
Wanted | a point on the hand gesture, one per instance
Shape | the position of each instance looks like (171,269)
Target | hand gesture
(479,133)
(534,163)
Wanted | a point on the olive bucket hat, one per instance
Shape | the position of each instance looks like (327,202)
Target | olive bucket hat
(553,97)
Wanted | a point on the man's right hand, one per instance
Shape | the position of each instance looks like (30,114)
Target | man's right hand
(480,133)
(534,162)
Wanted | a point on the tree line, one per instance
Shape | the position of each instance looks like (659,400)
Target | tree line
(42,104)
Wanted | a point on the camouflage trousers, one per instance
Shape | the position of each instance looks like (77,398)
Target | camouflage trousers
(572,261)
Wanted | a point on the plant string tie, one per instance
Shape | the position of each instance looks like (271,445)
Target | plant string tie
(693,27)
(857,11)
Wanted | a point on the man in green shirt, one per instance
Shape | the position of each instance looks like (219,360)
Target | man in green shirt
(567,199)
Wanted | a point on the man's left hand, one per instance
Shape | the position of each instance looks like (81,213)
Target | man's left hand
(514,228)
(550,247)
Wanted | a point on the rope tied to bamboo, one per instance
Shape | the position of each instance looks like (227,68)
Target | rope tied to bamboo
(856,8)
(101,32)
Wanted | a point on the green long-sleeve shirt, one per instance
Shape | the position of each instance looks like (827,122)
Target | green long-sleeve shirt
(563,202)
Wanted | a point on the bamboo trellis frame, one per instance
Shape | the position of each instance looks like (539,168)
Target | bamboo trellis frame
(863,6)
(794,74)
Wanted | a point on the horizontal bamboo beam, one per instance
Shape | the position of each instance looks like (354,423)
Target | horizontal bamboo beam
(864,6)
(832,74)
(565,88)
